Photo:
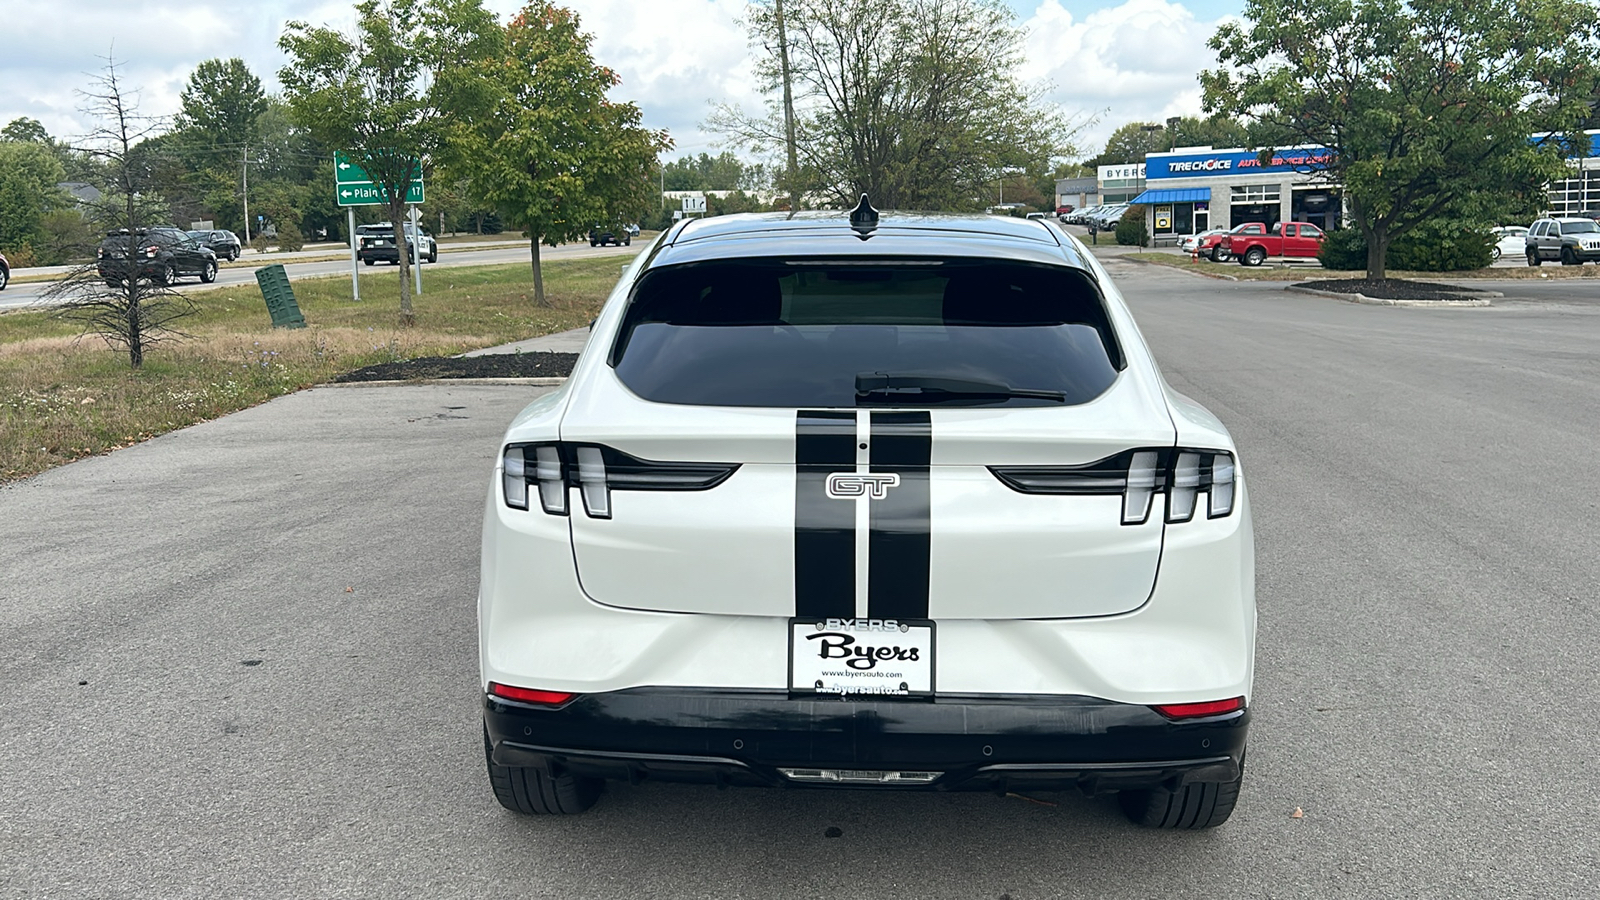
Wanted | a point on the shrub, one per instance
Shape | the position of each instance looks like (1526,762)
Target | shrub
(1442,245)
(1344,250)
(1130,229)
(289,237)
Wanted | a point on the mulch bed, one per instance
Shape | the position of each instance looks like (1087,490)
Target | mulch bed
(1392,288)
(540,364)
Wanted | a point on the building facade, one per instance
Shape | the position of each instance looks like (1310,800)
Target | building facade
(1195,188)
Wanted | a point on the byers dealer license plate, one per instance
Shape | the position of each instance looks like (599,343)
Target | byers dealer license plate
(861,656)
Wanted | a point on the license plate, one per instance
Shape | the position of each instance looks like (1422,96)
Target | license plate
(889,657)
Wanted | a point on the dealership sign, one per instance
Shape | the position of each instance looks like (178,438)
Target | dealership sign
(1229,162)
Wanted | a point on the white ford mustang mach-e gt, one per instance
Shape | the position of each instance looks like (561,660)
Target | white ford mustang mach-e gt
(895,501)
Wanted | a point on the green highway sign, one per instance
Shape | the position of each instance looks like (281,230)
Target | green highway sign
(354,187)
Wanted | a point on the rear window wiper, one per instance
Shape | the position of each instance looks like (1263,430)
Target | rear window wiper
(880,386)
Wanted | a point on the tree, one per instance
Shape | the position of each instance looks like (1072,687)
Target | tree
(221,102)
(723,172)
(1428,108)
(552,154)
(26,130)
(916,103)
(386,94)
(29,173)
(124,309)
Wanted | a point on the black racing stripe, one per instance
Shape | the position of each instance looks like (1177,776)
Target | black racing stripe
(824,528)
(897,547)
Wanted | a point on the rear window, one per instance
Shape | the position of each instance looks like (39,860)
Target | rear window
(811,333)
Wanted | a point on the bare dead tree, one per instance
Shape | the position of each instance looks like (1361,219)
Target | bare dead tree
(115,296)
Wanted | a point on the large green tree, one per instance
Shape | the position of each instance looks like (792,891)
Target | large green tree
(1428,107)
(29,173)
(386,93)
(553,155)
(916,103)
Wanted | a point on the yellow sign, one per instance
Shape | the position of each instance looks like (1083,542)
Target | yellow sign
(1163,218)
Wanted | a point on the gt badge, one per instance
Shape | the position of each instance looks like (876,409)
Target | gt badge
(849,485)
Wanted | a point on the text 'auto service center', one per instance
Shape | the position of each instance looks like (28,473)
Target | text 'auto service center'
(1195,188)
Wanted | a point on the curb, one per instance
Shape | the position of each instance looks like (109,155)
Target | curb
(1466,302)
(538,381)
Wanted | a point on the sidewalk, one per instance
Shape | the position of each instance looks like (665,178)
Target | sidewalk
(560,342)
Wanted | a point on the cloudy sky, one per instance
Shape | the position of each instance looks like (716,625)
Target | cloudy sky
(1120,60)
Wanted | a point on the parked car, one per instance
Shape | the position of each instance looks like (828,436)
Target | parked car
(1081,216)
(1291,240)
(377,244)
(1051,586)
(1063,210)
(1037,215)
(1572,240)
(161,254)
(1507,240)
(632,229)
(5,272)
(1109,219)
(225,244)
(1204,243)
(599,236)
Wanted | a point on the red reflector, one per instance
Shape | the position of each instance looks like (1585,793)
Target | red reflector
(529,695)
(1197,710)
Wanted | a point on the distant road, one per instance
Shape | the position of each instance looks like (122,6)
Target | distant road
(18,296)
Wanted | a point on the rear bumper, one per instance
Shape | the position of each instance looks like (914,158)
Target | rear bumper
(973,743)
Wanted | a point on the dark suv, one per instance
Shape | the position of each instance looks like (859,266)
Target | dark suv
(160,254)
(1574,241)
(376,244)
(225,244)
(611,234)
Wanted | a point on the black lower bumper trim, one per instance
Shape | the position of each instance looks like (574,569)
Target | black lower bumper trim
(974,743)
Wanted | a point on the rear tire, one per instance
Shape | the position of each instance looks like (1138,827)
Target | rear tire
(1190,807)
(1255,256)
(370,262)
(164,276)
(531,792)
(208,273)
(1533,258)
(1494,253)
(5,278)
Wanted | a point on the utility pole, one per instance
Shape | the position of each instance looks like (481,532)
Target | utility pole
(788,110)
(245,177)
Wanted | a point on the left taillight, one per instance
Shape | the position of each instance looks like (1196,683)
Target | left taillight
(550,469)
(529,695)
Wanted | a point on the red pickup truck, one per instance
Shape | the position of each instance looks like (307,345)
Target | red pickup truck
(1253,242)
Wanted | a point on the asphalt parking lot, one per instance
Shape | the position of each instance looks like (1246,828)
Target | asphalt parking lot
(240,658)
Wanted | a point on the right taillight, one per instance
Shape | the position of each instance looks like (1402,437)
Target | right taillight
(1181,474)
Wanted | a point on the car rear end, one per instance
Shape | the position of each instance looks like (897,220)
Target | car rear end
(377,245)
(909,512)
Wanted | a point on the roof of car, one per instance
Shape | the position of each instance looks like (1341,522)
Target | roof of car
(829,233)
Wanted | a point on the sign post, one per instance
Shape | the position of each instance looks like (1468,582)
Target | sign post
(416,248)
(353,187)
(355,267)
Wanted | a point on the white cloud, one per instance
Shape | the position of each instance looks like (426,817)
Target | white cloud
(676,57)
(1136,61)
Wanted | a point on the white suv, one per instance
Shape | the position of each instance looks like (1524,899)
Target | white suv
(899,503)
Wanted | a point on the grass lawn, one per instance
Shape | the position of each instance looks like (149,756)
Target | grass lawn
(64,395)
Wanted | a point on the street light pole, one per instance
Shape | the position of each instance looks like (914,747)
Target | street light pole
(788,109)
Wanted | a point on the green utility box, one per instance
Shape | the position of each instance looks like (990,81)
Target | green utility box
(279,295)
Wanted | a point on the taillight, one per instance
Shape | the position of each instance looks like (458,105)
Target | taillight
(151,251)
(1180,473)
(529,695)
(551,469)
(1201,710)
